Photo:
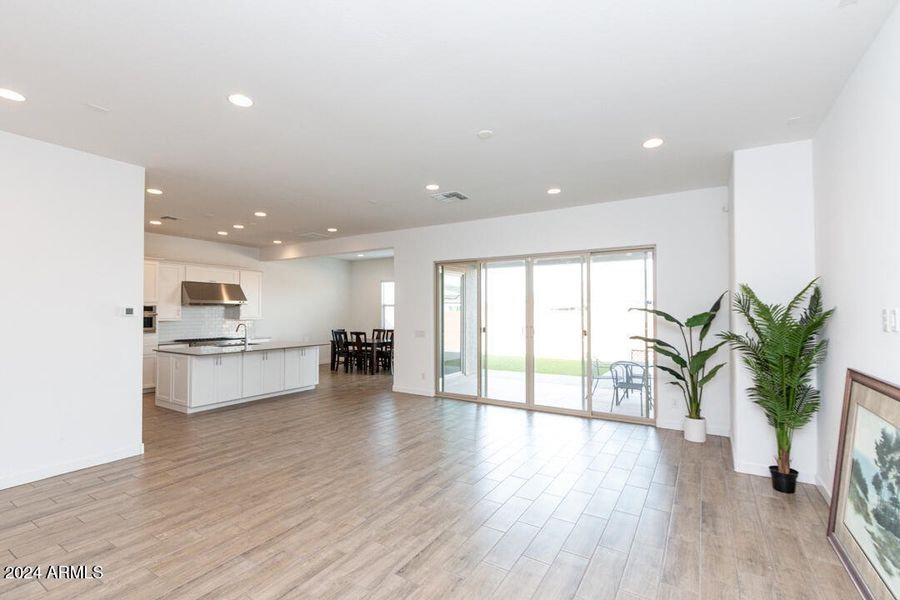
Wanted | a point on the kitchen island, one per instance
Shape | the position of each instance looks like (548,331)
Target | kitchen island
(195,379)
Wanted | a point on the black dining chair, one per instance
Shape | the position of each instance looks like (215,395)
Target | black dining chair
(389,349)
(343,352)
(379,348)
(359,345)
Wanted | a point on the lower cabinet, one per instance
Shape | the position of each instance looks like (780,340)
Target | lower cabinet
(301,367)
(263,372)
(148,378)
(188,383)
(215,379)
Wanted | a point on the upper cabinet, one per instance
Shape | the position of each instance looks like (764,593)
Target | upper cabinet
(168,304)
(163,279)
(251,283)
(151,285)
(211,274)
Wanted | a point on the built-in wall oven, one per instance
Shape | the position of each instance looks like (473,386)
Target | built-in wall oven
(149,319)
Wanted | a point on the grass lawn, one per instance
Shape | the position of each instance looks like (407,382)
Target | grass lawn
(549,366)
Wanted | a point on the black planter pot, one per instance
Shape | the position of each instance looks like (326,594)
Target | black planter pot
(786,484)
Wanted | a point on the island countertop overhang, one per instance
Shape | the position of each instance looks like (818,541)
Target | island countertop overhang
(218,350)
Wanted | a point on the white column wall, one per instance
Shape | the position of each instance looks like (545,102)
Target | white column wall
(857,182)
(72,260)
(773,251)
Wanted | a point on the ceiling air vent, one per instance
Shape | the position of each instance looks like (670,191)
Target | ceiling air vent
(448,197)
(311,235)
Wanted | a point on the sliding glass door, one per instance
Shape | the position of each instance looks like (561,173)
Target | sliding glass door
(559,332)
(458,319)
(550,332)
(504,326)
(622,382)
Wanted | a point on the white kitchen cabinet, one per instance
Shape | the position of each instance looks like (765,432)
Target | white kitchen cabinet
(251,284)
(211,274)
(229,375)
(301,367)
(252,384)
(149,372)
(181,380)
(164,373)
(215,379)
(151,270)
(191,383)
(263,372)
(168,303)
(273,371)
(202,378)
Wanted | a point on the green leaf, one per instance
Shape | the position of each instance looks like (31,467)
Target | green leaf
(672,372)
(714,309)
(662,314)
(698,361)
(710,374)
(674,355)
(652,341)
(699,320)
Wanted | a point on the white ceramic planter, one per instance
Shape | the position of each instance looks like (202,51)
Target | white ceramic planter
(695,430)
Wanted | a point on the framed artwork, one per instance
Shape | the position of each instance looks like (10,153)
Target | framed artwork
(864,522)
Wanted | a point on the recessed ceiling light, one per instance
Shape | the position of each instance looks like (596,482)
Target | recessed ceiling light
(332,230)
(485,134)
(360,255)
(553,191)
(653,143)
(155,222)
(276,241)
(259,213)
(11,95)
(154,191)
(238,226)
(222,232)
(240,100)
(432,187)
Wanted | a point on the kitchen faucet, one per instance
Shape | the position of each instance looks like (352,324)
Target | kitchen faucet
(246,339)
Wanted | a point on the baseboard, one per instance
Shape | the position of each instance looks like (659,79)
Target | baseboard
(763,471)
(414,391)
(69,466)
(823,489)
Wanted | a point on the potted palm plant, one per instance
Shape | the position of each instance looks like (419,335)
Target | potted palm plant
(690,373)
(781,351)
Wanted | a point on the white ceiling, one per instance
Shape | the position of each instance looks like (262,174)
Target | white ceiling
(366,255)
(360,104)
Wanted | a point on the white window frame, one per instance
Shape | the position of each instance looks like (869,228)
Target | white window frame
(383,305)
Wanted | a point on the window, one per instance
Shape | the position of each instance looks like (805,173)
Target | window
(387,304)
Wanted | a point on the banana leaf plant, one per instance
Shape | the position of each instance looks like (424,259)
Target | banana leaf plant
(690,372)
(781,351)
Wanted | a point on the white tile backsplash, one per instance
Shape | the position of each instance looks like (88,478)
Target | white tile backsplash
(201,322)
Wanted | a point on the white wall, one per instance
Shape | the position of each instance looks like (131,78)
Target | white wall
(365,290)
(302,299)
(690,230)
(773,251)
(72,253)
(857,187)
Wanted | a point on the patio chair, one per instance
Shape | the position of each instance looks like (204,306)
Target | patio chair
(627,377)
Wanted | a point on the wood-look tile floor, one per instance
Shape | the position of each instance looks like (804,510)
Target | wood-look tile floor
(352,491)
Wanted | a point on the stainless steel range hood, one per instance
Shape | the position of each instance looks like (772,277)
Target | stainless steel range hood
(195,293)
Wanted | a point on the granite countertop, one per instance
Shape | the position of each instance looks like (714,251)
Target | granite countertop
(216,350)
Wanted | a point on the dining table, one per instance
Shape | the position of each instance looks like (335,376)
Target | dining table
(371,347)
